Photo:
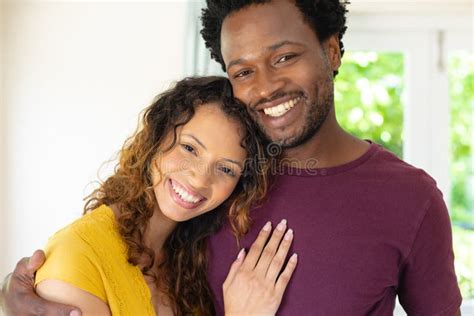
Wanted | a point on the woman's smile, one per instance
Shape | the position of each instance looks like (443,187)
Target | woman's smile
(183,196)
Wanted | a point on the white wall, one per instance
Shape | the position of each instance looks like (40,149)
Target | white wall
(76,75)
(2,149)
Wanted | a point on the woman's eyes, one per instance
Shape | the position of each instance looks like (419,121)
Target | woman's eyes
(228,171)
(188,148)
(224,169)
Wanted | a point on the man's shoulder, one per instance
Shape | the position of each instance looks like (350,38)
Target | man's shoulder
(389,167)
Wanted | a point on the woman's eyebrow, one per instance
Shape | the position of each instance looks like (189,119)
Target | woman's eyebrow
(234,162)
(225,159)
(196,139)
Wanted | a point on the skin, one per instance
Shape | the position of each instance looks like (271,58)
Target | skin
(207,163)
(255,40)
(254,286)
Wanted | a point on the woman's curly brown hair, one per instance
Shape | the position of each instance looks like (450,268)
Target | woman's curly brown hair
(182,273)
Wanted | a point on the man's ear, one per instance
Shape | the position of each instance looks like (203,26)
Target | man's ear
(333,51)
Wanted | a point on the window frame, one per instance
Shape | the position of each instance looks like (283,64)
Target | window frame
(426,42)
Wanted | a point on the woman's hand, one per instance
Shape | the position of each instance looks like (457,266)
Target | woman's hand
(254,284)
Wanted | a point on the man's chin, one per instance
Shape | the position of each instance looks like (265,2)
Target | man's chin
(285,142)
(291,140)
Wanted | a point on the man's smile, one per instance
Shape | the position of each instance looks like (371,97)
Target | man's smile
(282,108)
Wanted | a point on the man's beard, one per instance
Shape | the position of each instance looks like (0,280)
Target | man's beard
(318,112)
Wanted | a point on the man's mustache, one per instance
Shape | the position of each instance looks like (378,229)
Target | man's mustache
(275,96)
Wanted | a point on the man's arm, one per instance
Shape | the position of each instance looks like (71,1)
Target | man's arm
(428,284)
(19,298)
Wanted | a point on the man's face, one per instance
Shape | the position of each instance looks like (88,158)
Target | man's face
(280,70)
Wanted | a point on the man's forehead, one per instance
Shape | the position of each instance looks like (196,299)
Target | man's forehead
(257,28)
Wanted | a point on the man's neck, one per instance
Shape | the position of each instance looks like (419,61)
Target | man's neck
(331,146)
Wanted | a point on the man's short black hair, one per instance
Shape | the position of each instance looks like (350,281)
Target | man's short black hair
(326,18)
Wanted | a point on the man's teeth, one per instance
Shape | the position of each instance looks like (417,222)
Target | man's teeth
(185,196)
(281,109)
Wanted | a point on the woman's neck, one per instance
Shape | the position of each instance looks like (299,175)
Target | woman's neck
(158,230)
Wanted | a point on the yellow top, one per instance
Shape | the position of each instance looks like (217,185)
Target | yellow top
(90,254)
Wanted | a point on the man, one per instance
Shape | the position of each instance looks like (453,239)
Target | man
(368,226)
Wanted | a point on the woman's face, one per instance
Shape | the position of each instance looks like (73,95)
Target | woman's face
(203,168)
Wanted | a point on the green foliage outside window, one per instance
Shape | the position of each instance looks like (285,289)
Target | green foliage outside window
(461,84)
(368,96)
(461,93)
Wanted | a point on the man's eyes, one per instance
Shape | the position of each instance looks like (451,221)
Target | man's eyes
(281,60)
(285,58)
(242,74)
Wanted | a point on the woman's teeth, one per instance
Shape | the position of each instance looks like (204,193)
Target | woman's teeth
(185,196)
(282,108)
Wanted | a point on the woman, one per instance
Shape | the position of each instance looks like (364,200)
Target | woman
(140,248)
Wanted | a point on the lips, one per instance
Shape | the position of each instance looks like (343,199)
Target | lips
(184,196)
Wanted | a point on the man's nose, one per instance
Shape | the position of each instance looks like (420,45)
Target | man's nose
(267,83)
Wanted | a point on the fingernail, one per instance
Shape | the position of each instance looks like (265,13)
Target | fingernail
(282,225)
(267,226)
(75,313)
(241,254)
(294,258)
(289,234)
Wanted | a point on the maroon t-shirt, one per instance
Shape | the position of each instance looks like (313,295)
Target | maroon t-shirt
(365,232)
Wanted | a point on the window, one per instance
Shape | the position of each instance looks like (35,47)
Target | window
(461,97)
(368,95)
(432,82)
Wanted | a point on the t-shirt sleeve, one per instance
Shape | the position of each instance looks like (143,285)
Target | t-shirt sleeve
(428,284)
(70,259)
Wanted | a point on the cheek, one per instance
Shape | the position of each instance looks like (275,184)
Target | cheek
(223,190)
(172,161)
(241,91)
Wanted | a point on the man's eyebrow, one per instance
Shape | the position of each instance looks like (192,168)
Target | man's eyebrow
(281,44)
(197,140)
(270,48)
(235,62)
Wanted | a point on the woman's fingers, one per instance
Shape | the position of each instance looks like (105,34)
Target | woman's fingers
(285,276)
(271,249)
(235,267)
(257,246)
(278,260)
(254,285)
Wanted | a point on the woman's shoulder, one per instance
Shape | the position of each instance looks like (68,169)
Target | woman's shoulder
(93,237)
(75,254)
